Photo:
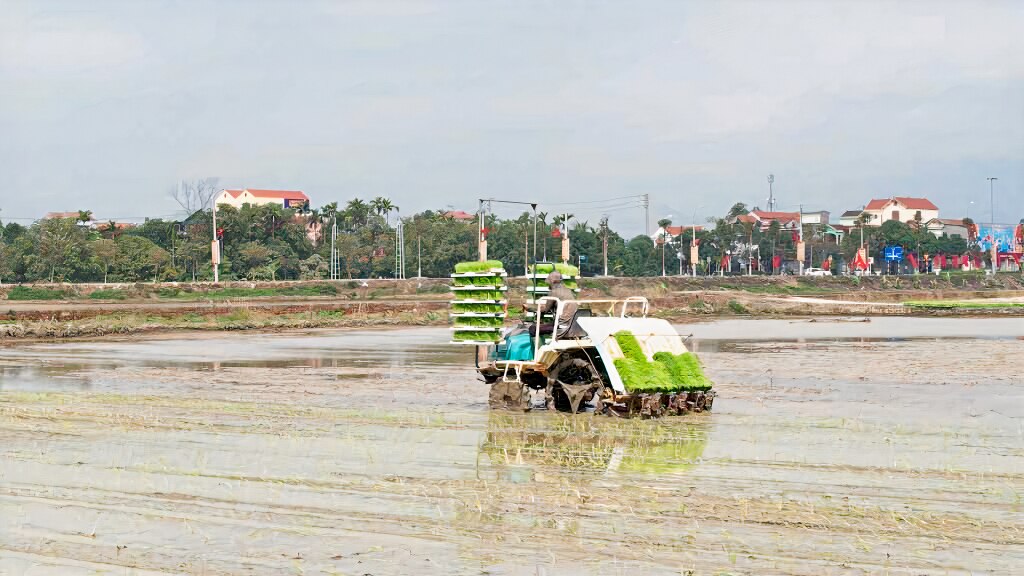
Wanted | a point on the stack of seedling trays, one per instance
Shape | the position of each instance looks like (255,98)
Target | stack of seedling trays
(478,303)
(537,283)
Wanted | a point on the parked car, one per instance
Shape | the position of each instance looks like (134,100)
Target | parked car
(817,272)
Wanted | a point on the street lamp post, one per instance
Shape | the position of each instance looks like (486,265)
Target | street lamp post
(693,241)
(992,221)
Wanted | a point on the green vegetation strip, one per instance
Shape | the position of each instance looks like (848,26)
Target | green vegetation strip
(108,295)
(668,373)
(224,293)
(951,304)
(30,293)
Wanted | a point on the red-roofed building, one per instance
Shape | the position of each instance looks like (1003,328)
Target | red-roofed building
(62,215)
(460,215)
(901,209)
(786,220)
(950,227)
(673,232)
(257,197)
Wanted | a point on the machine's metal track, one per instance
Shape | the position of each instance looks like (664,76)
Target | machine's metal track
(579,396)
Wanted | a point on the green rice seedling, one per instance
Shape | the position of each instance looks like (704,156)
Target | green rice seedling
(478,281)
(478,295)
(563,269)
(476,322)
(474,336)
(668,373)
(630,346)
(644,376)
(685,370)
(461,308)
(465,267)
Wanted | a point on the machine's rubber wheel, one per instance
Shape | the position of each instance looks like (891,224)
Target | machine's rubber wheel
(571,381)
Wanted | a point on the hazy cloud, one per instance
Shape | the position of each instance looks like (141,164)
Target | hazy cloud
(437,103)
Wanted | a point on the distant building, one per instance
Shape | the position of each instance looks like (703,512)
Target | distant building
(900,209)
(286,198)
(61,215)
(950,227)
(673,232)
(118,226)
(460,215)
(849,218)
(786,220)
(819,218)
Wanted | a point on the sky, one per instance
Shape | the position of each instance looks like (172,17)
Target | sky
(579,106)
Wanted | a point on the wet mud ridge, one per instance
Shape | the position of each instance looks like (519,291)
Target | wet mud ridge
(303,454)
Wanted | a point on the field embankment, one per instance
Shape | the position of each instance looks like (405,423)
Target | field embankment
(75,310)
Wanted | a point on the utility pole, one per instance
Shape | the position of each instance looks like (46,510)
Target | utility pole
(565,238)
(992,201)
(481,240)
(419,258)
(646,204)
(771,195)
(215,246)
(534,206)
(604,242)
(526,253)
(800,226)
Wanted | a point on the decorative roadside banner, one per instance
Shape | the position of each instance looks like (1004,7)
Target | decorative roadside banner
(861,260)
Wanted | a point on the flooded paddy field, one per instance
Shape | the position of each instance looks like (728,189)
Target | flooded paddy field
(835,447)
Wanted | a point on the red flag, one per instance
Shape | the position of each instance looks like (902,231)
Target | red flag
(556,233)
(977,262)
(725,261)
(912,259)
(860,262)
(776,262)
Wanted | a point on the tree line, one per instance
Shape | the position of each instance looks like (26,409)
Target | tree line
(269,242)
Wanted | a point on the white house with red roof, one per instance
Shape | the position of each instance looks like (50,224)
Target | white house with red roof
(256,197)
(671,233)
(786,220)
(900,209)
(460,215)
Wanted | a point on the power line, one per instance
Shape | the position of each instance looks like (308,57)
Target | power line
(635,196)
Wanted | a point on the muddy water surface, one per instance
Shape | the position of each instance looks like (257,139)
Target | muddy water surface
(891,446)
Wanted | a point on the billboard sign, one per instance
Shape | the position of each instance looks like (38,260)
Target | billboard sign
(1004,236)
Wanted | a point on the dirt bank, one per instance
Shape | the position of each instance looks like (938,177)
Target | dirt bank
(241,306)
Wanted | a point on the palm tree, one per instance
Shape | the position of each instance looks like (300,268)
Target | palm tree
(84,216)
(383,207)
(356,212)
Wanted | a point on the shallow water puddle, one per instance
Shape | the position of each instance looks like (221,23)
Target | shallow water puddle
(832,449)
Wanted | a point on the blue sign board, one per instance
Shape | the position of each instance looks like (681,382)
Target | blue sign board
(894,253)
(583,257)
